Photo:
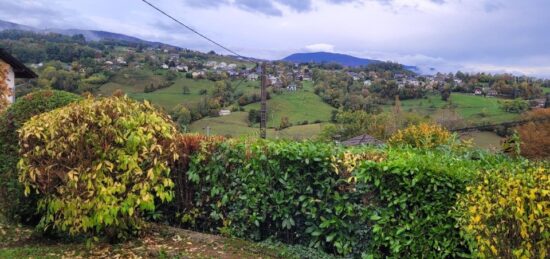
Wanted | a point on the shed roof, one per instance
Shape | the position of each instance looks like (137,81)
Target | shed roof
(19,69)
(364,139)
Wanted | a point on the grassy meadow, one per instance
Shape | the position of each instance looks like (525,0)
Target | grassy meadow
(473,109)
(299,106)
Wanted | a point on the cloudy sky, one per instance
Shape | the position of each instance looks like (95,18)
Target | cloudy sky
(468,35)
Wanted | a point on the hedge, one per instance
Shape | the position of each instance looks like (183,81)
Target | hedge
(370,202)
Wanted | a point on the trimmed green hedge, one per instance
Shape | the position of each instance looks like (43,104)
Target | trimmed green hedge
(370,202)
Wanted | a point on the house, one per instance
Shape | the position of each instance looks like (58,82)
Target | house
(367,83)
(364,139)
(538,103)
(292,87)
(14,69)
(120,60)
(211,63)
(224,112)
(165,66)
(252,77)
(182,68)
(198,74)
(273,79)
(232,66)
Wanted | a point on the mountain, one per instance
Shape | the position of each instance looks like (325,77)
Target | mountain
(342,59)
(5,25)
(89,35)
(327,57)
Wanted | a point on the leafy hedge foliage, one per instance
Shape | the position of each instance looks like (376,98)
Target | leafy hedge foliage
(370,202)
(507,213)
(99,165)
(16,206)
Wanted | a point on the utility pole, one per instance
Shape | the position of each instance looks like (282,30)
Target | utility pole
(263,109)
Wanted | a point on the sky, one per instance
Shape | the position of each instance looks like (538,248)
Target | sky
(469,35)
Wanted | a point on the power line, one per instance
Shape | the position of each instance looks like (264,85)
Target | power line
(195,31)
(263,111)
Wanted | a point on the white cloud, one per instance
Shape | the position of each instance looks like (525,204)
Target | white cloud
(320,47)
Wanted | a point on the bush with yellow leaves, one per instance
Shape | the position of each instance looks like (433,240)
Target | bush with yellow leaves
(507,214)
(98,165)
(424,135)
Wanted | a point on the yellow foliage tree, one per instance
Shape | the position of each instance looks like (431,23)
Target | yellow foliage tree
(424,135)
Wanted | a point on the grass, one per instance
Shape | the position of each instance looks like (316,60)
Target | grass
(236,125)
(473,109)
(131,81)
(484,140)
(299,106)
(546,90)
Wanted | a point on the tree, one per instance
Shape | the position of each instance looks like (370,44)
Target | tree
(186,89)
(181,115)
(285,123)
(253,116)
(535,136)
(446,93)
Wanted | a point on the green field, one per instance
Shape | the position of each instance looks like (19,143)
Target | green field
(473,109)
(299,106)
(131,81)
(546,90)
(484,140)
(236,125)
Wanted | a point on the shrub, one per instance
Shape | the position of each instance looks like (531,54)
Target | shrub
(187,145)
(371,202)
(274,189)
(98,164)
(14,204)
(423,135)
(181,115)
(409,196)
(514,106)
(506,214)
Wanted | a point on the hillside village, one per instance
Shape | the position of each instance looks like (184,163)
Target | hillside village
(112,146)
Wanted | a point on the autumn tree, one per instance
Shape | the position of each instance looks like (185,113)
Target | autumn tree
(535,136)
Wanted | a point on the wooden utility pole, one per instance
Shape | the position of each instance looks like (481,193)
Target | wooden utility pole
(263,109)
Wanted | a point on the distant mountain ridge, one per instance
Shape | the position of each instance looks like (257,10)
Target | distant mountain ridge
(328,57)
(89,35)
(342,59)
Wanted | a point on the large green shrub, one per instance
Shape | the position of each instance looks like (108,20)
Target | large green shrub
(99,165)
(285,190)
(12,201)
